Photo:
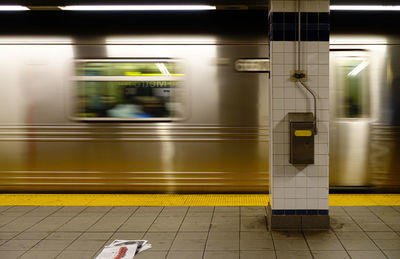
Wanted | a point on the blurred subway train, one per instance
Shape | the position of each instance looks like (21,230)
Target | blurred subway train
(148,103)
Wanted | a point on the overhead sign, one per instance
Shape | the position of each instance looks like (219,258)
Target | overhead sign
(252,65)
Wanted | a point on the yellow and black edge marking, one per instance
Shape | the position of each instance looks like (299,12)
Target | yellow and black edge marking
(182,199)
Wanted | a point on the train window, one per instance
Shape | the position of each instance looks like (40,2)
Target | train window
(141,90)
(352,86)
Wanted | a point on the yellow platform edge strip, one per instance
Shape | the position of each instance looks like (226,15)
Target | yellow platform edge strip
(182,199)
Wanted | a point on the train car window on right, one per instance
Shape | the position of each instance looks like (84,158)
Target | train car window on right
(351,84)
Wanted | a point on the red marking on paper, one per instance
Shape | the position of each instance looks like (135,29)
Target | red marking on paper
(121,252)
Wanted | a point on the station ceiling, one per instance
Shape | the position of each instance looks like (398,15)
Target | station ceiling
(374,22)
(221,4)
(229,4)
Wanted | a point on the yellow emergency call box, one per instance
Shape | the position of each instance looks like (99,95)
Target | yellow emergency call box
(301,132)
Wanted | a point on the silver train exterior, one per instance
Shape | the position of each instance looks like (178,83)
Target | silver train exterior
(217,144)
(219,140)
(364,112)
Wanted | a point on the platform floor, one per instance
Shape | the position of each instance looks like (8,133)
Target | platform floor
(194,232)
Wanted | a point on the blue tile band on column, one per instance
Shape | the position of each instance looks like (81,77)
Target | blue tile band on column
(300,212)
(284,26)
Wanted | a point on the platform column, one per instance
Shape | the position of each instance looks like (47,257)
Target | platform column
(299,193)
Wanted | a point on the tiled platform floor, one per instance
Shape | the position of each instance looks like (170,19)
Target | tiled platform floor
(194,232)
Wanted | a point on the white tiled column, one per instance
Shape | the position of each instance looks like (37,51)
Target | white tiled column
(298,190)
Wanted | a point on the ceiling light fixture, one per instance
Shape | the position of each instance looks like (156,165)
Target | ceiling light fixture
(137,7)
(13,8)
(365,7)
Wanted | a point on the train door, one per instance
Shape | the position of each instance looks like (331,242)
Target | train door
(350,116)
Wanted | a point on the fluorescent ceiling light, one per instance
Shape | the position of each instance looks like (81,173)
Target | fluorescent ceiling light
(136,7)
(358,68)
(13,8)
(365,7)
(35,40)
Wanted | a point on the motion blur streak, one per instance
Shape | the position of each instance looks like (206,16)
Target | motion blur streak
(219,143)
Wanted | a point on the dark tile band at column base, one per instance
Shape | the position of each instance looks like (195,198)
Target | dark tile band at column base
(296,222)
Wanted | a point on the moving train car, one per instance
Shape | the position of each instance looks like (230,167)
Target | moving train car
(364,107)
(117,106)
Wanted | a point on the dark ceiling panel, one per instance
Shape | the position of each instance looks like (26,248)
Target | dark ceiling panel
(110,23)
(379,23)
